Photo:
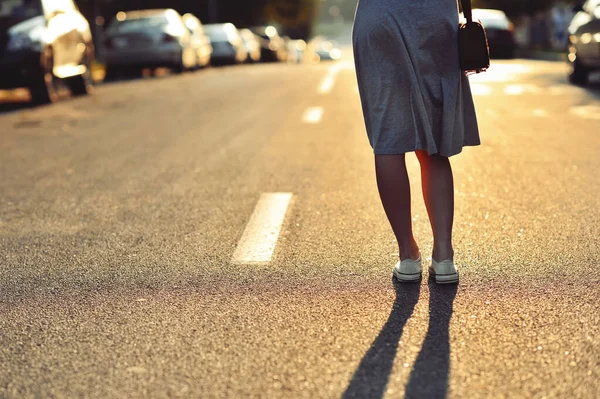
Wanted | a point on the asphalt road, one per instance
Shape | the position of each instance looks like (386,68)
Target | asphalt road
(120,215)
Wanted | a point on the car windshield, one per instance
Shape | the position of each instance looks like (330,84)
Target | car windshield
(20,9)
(138,24)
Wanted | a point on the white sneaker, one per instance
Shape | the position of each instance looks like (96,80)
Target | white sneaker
(408,270)
(443,272)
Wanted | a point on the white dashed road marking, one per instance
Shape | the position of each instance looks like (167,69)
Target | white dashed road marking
(313,115)
(478,89)
(587,111)
(328,82)
(262,232)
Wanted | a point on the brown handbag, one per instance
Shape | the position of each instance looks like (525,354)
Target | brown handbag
(473,48)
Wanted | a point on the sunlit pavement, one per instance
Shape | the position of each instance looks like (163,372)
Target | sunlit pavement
(219,234)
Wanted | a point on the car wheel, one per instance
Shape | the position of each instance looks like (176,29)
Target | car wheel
(179,67)
(44,91)
(111,73)
(579,75)
(82,85)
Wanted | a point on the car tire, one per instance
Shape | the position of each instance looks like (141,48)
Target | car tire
(111,73)
(579,74)
(179,67)
(44,90)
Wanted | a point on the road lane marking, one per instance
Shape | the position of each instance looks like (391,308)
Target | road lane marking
(262,232)
(587,111)
(328,81)
(514,90)
(478,89)
(327,84)
(313,115)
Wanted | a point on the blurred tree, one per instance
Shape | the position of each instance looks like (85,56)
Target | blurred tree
(294,16)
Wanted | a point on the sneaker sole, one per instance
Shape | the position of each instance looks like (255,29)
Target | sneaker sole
(407,278)
(444,278)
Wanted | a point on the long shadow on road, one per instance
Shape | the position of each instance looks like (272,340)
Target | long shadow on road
(429,377)
(371,377)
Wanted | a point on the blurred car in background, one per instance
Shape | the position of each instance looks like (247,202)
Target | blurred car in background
(273,47)
(251,44)
(200,41)
(328,50)
(295,51)
(228,47)
(584,38)
(148,39)
(500,32)
(44,43)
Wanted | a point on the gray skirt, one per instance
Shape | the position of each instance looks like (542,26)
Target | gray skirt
(414,95)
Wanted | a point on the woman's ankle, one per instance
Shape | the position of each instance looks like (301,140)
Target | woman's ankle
(443,253)
(409,251)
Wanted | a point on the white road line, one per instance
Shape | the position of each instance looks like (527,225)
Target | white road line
(478,89)
(586,111)
(313,115)
(328,82)
(260,237)
(514,90)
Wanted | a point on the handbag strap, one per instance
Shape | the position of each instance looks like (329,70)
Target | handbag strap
(467,10)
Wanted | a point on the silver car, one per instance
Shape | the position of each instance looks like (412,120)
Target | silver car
(228,47)
(200,41)
(251,44)
(148,39)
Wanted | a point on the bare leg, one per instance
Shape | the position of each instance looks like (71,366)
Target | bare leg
(438,191)
(394,190)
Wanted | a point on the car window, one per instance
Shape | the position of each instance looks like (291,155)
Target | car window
(21,9)
(216,33)
(137,24)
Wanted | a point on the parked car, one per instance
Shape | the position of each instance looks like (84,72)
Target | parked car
(584,37)
(272,44)
(200,41)
(251,44)
(295,51)
(500,32)
(148,39)
(228,47)
(43,44)
(328,51)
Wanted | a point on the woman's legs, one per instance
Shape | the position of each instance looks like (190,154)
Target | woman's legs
(438,191)
(394,190)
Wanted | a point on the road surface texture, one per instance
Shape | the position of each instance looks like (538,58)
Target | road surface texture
(122,217)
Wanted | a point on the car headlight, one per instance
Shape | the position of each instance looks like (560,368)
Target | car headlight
(25,40)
